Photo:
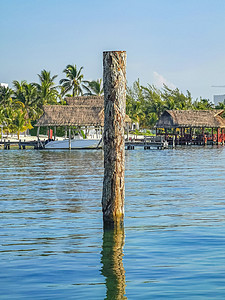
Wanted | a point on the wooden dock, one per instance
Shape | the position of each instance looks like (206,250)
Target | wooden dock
(22,144)
(148,143)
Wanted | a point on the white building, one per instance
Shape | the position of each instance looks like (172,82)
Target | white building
(4,84)
(218,98)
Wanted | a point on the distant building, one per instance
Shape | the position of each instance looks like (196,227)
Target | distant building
(4,84)
(218,98)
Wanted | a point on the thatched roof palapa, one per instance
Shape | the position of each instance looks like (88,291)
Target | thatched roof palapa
(58,115)
(86,100)
(79,111)
(191,118)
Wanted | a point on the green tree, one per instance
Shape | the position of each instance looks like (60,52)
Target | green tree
(94,87)
(203,104)
(47,90)
(5,105)
(14,116)
(20,122)
(135,103)
(73,81)
(153,101)
(27,94)
(175,99)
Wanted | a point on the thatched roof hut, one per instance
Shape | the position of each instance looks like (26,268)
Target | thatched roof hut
(60,115)
(79,111)
(92,101)
(191,119)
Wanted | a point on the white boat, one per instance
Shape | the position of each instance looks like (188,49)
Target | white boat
(77,143)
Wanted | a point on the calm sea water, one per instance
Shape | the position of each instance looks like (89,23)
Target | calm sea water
(52,245)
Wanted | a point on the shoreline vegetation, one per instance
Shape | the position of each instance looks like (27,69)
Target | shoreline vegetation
(22,105)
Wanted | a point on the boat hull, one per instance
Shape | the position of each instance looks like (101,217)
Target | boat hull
(75,144)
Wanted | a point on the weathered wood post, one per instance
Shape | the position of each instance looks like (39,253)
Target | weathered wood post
(38,137)
(65,132)
(114,84)
(218,136)
(1,132)
(69,138)
(222,135)
(174,143)
(54,133)
(127,131)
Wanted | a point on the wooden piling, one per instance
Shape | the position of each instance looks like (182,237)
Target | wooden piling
(218,136)
(114,84)
(174,142)
(1,132)
(69,138)
(54,133)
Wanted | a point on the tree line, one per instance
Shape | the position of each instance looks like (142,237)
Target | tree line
(145,104)
(22,105)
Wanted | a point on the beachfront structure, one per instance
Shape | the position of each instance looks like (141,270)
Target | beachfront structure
(4,84)
(82,111)
(192,126)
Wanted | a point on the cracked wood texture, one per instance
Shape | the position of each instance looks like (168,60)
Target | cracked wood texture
(114,84)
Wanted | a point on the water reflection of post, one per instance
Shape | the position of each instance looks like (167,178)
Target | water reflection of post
(112,263)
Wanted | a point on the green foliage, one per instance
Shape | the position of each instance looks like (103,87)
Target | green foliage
(73,80)
(47,91)
(21,106)
(145,104)
(145,133)
(13,112)
(93,87)
(203,104)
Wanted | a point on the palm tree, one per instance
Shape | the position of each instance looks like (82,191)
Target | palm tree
(5,103)
(203,104)
(28,95)
(5,95)
(20,123)
(73,81)
(94,87)
(47,91)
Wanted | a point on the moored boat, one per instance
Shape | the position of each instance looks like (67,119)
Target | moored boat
(77,143)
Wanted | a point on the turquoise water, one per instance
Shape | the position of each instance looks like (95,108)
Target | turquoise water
(52,245)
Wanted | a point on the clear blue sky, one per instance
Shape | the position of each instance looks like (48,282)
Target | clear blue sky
(180,42)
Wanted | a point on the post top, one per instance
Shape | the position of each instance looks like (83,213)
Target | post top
(114,51)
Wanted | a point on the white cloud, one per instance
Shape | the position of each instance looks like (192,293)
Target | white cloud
(159,80)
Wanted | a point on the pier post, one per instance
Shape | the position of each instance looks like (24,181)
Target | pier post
(174,142)
(114,84)
(1,133)
(65,132)
(54,133)
(69,138)
(38,136)
(222,135)
(218,136)
(127,131)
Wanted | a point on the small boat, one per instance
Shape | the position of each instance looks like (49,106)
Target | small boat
(77,143)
